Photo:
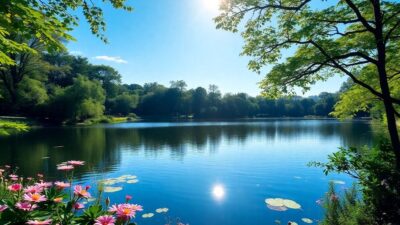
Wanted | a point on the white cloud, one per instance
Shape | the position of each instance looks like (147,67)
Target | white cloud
(75,52)
(115,59)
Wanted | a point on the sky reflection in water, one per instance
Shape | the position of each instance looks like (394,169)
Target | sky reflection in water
(204,173)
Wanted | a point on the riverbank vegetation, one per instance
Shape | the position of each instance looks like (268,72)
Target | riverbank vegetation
(65,88)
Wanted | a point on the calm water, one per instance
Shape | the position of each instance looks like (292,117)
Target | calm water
(205,173)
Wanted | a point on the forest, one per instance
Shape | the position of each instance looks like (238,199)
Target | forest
(61,87)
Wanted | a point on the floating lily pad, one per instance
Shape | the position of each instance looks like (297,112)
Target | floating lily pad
(132,181)
(291,204)
(162,210)
(148,215)
(91,199)
(338,182)
(277,221)
(307,220)
(293,223)
(277,202)
(277,208)
(110,189)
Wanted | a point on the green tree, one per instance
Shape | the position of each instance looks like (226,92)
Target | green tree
(47,21)
(123,104)
(82,100)
(337,37)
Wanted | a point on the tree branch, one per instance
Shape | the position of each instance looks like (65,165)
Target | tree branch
(359,16)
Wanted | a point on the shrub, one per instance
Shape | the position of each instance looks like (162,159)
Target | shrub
(378,179)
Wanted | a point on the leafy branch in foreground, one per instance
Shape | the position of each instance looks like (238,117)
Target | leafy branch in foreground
(47,21)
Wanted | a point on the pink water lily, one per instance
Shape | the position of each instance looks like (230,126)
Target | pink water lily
(25,206)
(15,187)
(39,222)
(105,220)
(35,197)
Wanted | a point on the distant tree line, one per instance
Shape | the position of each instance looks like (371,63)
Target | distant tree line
(62,87)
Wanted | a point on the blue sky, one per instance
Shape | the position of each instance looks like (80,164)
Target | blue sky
(169,40)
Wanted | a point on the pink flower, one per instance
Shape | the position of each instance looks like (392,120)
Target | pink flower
(61,185)
(125,211)
(35,197)
(3,207)
(25,206)
(38,222)
(78,206)
(33,189)
(79,191)
(44,185)
(65,167)
(76,163)
(105,220)
(128,198)
(39,175)
(13,176)
(15,187)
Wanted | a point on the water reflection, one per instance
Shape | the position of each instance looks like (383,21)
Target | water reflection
(102,146)
(218,192)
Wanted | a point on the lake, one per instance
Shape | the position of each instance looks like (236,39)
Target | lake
(203,172)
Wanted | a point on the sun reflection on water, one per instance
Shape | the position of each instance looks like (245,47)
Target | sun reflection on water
(218,192)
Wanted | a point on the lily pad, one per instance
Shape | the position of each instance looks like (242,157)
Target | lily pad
(110,189)
(91,199)
(148,215)
(277,221)
(293,223)
(291,204)
(277,202)
(277,208)
(338,182)
(132,181)
(307,220)
(162,210)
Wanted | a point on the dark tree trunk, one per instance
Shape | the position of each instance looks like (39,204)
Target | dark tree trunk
(381,66)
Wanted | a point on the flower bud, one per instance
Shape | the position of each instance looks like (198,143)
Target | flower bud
(108,201)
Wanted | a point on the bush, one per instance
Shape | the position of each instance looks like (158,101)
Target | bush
(379,180)
(346,209)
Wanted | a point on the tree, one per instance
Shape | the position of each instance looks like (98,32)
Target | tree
(331,39)
(199,101)
(110,78)
(47,21)
(27,64)
(123,104)
(179,84)
(82,100)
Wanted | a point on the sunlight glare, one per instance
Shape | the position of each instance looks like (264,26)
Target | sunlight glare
(212,5)
(218,192)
